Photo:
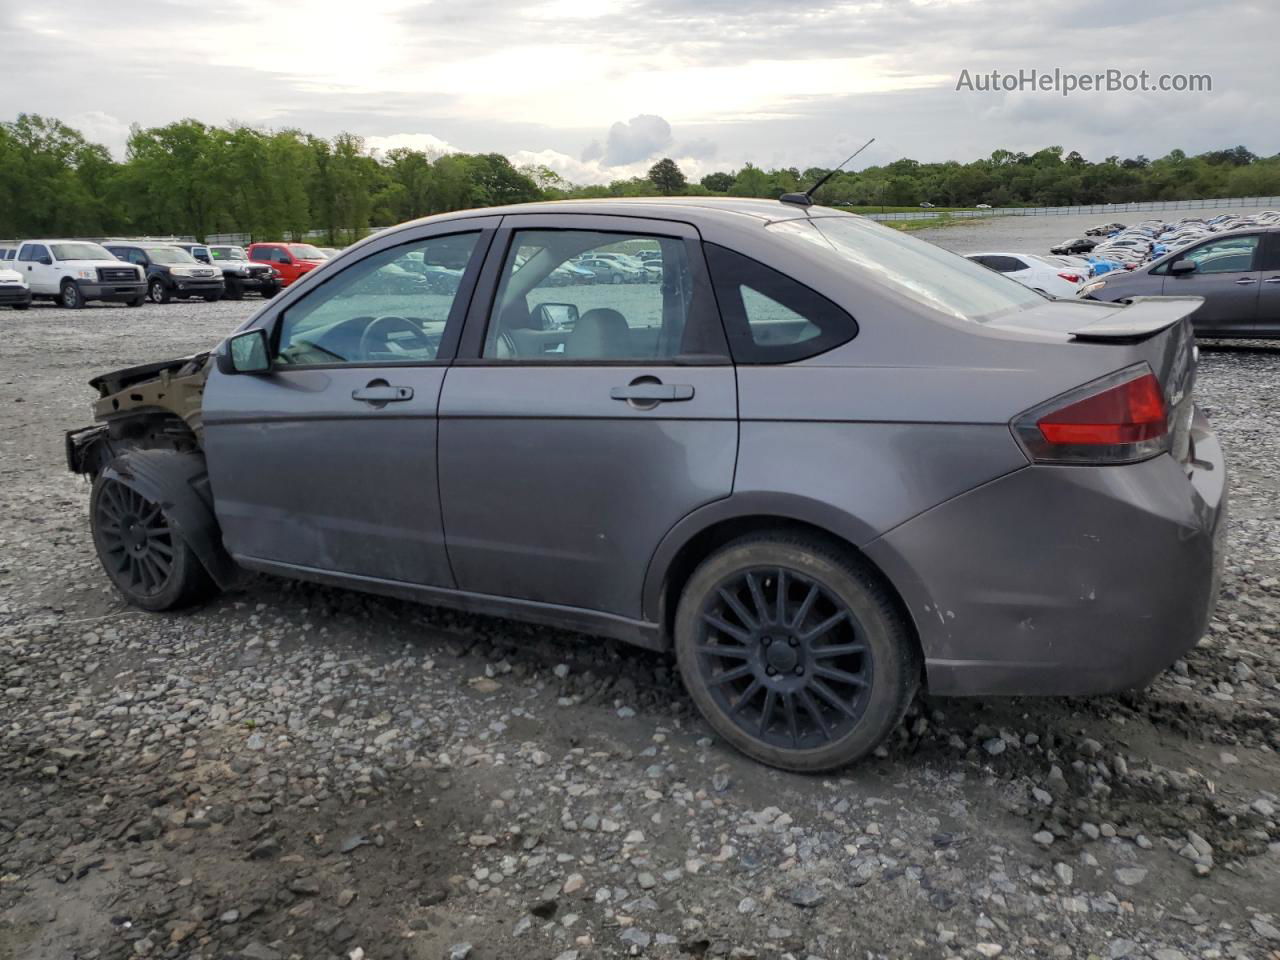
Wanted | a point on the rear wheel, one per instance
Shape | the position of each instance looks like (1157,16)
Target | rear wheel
(70,296)
(795,654)
(141,551)
(157,293)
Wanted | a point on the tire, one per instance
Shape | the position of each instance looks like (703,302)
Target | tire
(70,296)
(156,292)
(142,553)
(213,299)
(21,306)
(233,291)
(137,301)
(865,659)
(617,278)
(269,292)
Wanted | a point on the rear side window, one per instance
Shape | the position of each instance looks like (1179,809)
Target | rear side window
(769,317)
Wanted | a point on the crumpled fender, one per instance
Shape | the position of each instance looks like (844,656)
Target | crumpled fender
(179,482)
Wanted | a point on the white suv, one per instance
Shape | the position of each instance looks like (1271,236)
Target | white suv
(74,272)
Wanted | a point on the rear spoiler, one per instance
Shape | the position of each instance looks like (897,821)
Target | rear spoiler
(1140,318)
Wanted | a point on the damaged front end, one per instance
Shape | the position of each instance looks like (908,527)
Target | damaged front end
(156,406)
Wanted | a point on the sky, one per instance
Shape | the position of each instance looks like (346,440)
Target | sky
(600,89)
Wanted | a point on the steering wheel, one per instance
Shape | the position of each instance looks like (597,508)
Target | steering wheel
(393,321)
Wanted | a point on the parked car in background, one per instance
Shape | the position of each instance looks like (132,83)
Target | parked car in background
(329,252)
(75,272)
(14,291)
(7,255)
(983,206)
(1075,245)
(290,260)
(1039,274)
(1237,274)
(613,270)
(171,271)
(719,475)
(240,275)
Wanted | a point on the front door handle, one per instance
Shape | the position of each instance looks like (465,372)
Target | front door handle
(1246,280)
(382,392)
(1272,280)
(651,391)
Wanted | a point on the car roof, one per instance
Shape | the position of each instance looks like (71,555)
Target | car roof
(658,208)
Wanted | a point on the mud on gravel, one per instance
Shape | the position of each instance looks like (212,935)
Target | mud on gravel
(300,772)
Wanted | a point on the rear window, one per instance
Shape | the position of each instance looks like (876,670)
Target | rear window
(915,269)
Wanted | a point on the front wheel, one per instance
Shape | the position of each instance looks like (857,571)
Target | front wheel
(794,653)
(70,296)
(269,292)
(21,306)
(617,278)
(141,551)
(213,298)
(157,293)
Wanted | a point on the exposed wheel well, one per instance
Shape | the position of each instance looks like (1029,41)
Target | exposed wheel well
(717,535)
(144,429)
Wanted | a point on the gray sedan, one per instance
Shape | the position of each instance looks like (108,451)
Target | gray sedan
(1237,274)
(822,461)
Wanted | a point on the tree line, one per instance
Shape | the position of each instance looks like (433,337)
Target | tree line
(195,179)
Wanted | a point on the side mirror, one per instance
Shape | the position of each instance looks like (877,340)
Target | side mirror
(1182,266)
(246,352)
(555,316)
(47,261)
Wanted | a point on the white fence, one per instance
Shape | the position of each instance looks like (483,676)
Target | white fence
(1104,209)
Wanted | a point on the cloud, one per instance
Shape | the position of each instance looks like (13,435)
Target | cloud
(638,139)
(426,142)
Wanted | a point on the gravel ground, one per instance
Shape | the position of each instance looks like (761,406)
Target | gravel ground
(293,771)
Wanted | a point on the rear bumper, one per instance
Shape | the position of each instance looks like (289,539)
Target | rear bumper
(1065,580)
(112,292)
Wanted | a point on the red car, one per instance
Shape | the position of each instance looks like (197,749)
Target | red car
(291,260)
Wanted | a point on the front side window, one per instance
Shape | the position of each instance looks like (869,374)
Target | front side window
(912,268)
(769,317)
(586,295)
(385,308)
(1228,255)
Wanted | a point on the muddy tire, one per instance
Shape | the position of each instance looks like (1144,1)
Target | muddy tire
(794,652)
(141,550)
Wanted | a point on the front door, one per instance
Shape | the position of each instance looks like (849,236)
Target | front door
(1227,276)
(584,417)
(328,461)
(40,276)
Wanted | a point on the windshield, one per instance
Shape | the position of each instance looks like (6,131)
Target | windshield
(916,269)
(305,251)
(229,253)
(80,251)
(168,255)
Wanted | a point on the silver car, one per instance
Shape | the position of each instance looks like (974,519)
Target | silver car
(1236,273)
(822,461)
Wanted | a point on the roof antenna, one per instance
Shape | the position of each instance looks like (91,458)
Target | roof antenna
(806,199)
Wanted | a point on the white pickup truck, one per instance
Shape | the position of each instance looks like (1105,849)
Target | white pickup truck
(73,272)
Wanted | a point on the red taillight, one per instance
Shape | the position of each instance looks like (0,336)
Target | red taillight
(1119,419)
(1070,277)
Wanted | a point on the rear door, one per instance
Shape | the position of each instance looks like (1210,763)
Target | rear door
(580,423)
(1227,275)
(328,461)
(1268,319)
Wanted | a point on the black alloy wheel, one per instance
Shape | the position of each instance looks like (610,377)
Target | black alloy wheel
(785,657)
(135,540)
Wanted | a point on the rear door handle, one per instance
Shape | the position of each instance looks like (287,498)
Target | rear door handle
(649,392)
(382,393)
(1272,280)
